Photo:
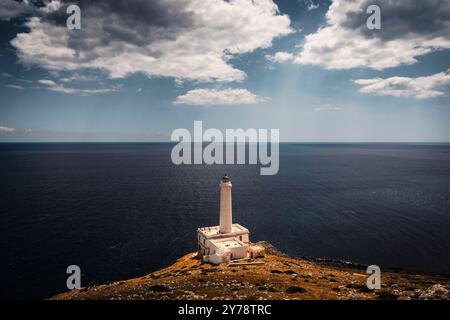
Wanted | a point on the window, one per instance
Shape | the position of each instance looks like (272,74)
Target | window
(240,238)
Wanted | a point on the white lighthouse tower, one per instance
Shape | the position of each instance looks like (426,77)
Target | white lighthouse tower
(228,240)
(226,208)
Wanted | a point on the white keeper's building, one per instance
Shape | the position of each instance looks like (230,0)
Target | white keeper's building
(227,241)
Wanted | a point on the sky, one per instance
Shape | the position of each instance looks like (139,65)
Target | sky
(137,69)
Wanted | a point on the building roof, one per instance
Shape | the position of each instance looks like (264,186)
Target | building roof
(256,248)
(228,243)
(214,231)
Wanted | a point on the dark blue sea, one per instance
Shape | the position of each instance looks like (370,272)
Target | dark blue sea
(124,210)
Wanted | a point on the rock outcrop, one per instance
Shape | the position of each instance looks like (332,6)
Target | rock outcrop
(276,276)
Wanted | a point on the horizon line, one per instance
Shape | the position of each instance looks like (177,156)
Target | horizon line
(207,142)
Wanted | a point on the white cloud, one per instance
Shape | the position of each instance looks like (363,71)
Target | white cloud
(52,6)
(53,86)
(209,97)
(198,47)
(79,77)
(47,82)
(310,5)
(7,129)
(11,9)
(14,86)
(345,42)
(327,107)
(280,57)
(419,88)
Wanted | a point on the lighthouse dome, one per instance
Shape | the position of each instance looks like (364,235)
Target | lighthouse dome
(226,178)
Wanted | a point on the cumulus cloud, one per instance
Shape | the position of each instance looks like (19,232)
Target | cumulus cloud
(184,39)
(51,6)
(419,88)
(10,9)
(209,97)
(409,29)
(280,57)
(7,129)
(53,86)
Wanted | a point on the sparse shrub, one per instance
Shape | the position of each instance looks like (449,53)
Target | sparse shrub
(294,289)
(290,272)
(276,271)
(262,288)
(407,288)
(386,295)
(158,288)
(211,270)
(359,287)
(184,272)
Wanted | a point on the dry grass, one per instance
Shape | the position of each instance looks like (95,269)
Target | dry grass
(279,277)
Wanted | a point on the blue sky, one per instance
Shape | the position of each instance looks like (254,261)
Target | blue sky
(309,68)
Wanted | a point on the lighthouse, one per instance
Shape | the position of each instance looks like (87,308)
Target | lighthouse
(228,240)
(226,208)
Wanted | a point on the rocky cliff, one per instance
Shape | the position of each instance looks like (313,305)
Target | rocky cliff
(276,276)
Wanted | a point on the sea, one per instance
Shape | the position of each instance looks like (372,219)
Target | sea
(123,210)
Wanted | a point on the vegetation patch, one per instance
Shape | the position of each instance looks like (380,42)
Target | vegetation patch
(276,271)
(294,289)
(262,288)
(290,272)
(359,287)
(158,288)
(386,295)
